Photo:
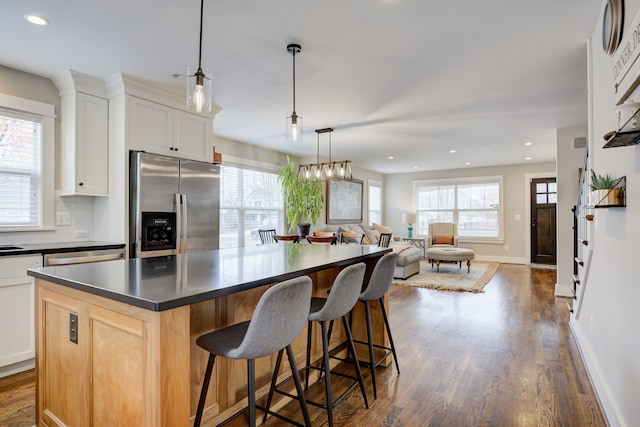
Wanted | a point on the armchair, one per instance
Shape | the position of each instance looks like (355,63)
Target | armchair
(442,234)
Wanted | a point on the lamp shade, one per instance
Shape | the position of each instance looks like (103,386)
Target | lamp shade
(409,218)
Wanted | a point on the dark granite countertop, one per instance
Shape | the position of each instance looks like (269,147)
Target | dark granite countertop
(163,283)
(59,247)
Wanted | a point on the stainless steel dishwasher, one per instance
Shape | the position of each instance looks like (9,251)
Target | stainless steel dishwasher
(83,257)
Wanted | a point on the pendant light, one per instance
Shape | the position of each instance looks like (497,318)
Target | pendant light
(294,121)
(321,171)
(199,84)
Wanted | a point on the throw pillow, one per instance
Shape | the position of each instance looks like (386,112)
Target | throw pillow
(381,228)
(371,236)
(442,240)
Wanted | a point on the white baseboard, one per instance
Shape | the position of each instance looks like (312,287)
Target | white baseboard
(16,368)
(608,406)
(563,291)
(504,260)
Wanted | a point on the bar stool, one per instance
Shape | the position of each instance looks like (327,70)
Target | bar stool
(278,318)
(379,284)
(342,298)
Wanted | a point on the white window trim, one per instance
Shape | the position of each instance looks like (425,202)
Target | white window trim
(373,183)
(47,113)
(475,179)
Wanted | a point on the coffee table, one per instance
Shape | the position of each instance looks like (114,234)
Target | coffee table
(438,254)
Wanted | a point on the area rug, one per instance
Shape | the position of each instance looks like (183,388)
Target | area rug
(451,277)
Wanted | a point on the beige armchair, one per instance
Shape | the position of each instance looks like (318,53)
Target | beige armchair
(442,234)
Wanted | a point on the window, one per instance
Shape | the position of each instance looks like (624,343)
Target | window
(26,164)
(474,204)
(375,201)
(249,200)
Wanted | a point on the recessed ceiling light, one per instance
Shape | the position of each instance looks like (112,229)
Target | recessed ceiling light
(415,167)
(527,158)
(390,157)
(452,151)
(468,163)
(528,143)
(177,76)
(37,20)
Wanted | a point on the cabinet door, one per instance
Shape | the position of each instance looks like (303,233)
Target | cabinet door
(193,136)
(17,342)
(92,146)
(151,127)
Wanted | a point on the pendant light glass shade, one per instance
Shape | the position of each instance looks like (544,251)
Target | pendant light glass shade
(294,121)
(199,84)
(199,90)
(294,128)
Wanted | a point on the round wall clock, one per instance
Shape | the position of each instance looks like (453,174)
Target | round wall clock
(612,22)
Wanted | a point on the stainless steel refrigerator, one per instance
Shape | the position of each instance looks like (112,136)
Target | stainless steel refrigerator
(174,205)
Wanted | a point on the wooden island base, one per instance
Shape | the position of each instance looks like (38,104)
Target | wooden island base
(136,367)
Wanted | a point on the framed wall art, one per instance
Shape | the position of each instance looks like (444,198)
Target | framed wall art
(344,201)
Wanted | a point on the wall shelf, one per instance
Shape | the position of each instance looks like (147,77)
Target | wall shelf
(623,139)
(612,198)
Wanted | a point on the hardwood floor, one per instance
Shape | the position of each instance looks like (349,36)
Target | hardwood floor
(505,357)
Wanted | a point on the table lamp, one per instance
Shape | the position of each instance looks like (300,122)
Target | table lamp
(409,218)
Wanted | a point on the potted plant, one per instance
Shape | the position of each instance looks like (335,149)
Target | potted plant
(302,200)
(604,191)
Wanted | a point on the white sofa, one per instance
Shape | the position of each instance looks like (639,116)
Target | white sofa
(409,256)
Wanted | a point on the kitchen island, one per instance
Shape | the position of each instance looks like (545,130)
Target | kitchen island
(115,342)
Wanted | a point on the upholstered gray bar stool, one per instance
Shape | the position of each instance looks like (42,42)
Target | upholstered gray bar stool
(342,298)
(278,318)
(379,284)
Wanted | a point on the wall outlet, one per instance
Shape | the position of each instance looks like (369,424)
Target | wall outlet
(73,327)
(63,218)
(517,217)
(80,233)
(506,248)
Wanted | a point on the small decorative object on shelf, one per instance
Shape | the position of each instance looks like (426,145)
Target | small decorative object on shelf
(628,124)
(607,191)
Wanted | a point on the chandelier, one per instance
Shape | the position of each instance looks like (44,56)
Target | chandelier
(325,171)
(199,84)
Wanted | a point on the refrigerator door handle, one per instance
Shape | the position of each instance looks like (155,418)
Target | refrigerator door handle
(178,202)
(185,217)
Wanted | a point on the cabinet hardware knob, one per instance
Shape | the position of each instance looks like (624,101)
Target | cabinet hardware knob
(81,184)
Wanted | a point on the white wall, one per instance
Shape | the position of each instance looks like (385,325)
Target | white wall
(568,163)
(606,328)
(29,86)
(398,198)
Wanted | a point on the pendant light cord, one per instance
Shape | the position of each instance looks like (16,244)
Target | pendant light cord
(294,80)
(200,52)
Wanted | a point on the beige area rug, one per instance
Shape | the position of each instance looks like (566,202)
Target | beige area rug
(451,277)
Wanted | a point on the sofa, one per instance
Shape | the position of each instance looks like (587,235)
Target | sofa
(409,256)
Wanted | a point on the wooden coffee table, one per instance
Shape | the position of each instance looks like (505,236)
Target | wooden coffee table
(450,254)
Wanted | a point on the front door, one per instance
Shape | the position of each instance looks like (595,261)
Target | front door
(544,196)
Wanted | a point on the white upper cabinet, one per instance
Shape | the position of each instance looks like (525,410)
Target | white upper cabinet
(84,154)
(163,130)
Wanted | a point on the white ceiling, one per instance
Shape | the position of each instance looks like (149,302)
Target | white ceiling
(411,79)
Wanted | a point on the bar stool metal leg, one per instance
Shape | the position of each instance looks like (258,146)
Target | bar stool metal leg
(205,389)
(386,324)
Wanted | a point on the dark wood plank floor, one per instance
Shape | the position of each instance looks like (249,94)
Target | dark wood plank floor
(500,358)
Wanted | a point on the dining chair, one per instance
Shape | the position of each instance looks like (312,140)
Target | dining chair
(267,236)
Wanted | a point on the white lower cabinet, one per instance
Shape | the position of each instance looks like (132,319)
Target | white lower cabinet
(17,319)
